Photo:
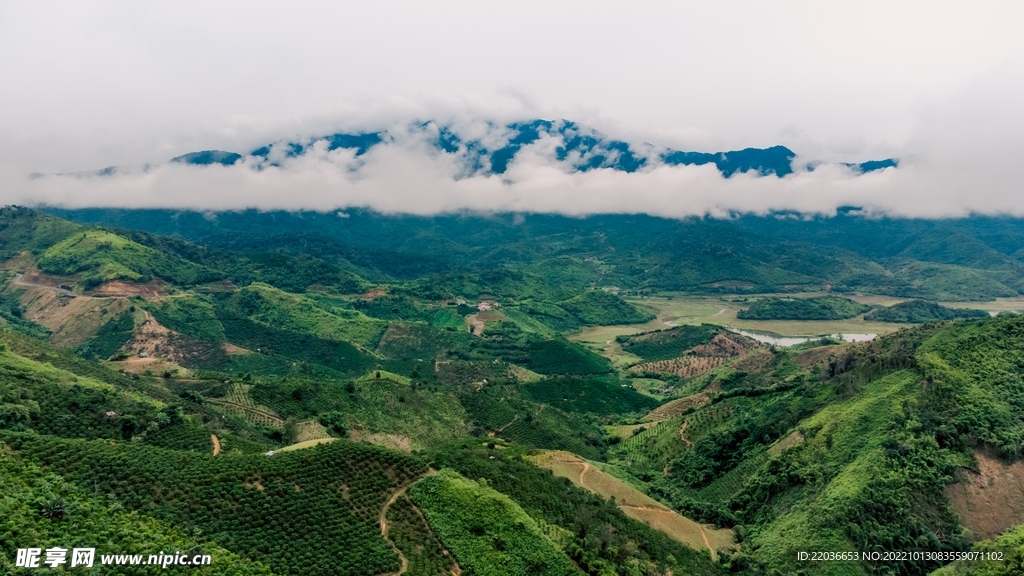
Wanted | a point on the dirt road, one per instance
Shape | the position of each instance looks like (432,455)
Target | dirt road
(383,519)
(18,280)
(682,430)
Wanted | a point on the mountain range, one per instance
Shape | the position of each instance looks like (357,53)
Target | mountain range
(581,147)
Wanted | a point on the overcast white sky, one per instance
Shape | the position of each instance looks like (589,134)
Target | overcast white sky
(87,85)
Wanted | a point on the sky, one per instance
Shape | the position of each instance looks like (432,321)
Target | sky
(936,84)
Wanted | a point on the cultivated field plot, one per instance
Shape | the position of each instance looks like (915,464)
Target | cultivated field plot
(237,402)
(684,367)
(310,430)
(635,503)
(677,407)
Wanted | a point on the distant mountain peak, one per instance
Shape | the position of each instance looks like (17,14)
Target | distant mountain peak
(581,147)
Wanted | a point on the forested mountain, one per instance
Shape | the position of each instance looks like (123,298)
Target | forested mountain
(305,393)
(965,259)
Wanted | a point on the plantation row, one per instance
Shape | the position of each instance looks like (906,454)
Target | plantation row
(684,367)
(704,420)
(310,511)
(411,534)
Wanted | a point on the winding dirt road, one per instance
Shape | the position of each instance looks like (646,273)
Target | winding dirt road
(384,527)
(682,430)
(19,280)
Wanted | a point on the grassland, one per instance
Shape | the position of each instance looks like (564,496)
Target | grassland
(306,444)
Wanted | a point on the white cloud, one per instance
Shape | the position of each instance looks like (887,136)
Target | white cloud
(87,87)
(964,166)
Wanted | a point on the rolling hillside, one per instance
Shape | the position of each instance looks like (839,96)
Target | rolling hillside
(269,405)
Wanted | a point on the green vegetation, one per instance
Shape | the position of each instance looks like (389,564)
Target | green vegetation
(600,396)
(597,536)
(818,308)
(920,311)
(448,320)
(259,506)
(41,509)
(191,315)
(333,330)
(411,534)
(595,307)
(268,305)
(48,400)
(487,532)
(97,256)
(667,344)
(13,314)
(1009,553)
(110,338)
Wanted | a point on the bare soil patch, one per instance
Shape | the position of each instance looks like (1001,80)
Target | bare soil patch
(682,436)
(795,438)
(393,441)
(71,320)
(373,294)
(755,362)
(148,290)
(992,501)
(816,355)
(36,277)
(310,430)
(722,345)
(232,350)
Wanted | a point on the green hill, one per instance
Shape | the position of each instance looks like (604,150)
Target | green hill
(489,534)
(667,344)
(96,256)
(595,307)
(268,305)
(817,308)
(920,311)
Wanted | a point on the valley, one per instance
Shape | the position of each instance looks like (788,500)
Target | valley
(527,418)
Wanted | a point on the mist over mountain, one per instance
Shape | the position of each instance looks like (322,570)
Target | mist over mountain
(579,148)
(540,166)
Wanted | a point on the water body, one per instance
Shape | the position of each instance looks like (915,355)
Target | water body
(794,340)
